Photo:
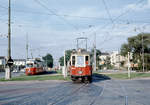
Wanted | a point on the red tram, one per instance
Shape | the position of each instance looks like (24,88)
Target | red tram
(80,68)
(34,66)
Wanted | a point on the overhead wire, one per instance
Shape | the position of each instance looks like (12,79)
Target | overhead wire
(72,16)
(48,9)
(115,19)
(107,10)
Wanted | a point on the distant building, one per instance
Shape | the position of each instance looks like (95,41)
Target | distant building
(2,63)
(116,59)
(19,62)
(103,58)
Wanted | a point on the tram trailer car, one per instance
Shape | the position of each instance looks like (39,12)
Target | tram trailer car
(34,66)
(80,68)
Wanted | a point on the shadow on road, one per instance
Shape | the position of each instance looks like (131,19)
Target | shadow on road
(100,77)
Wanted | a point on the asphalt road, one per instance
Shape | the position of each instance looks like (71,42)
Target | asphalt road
(103,91)
(2,74)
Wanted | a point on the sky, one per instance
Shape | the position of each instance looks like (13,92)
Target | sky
(52,26)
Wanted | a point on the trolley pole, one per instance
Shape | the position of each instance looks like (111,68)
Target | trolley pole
(8,68)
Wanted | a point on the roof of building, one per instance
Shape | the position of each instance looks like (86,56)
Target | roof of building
(2,57)
(19,59)
(104,53)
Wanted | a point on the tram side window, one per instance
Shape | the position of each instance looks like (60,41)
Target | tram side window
(73,60)
(86,58)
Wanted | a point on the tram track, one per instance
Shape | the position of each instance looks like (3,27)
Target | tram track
(27,98)
(46,92)
(101,92)
(75,91)
(84,88)
(56,96)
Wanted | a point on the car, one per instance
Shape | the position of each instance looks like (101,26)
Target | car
(15,71)
(22,70)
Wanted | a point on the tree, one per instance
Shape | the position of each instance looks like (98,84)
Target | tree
(48,60)
(134,45)
(67,54)
(98,53)
(61,61)
(108,63)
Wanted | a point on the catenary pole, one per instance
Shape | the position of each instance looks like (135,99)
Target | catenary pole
(95,52)
(27,48)
(129,65)
(65,70)
(143,51)
(8,68)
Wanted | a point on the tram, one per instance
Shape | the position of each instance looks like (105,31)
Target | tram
(34,66)
(80,67)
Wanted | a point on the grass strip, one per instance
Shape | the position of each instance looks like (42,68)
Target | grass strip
(37,77)
(125,75)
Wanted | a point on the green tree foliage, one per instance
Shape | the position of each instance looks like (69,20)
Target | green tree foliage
(68,54)
(98,53)
(108,63)
(48,60)
(134,45)
(61,61)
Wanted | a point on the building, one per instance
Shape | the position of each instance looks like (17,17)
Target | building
(19,62)
(116,59)
(103,58)
(2,63)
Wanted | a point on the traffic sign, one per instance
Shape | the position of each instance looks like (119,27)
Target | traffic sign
(10,62)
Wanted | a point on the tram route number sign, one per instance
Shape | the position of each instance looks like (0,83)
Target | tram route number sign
(10,62)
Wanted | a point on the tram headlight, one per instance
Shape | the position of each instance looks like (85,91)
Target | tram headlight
(80,72)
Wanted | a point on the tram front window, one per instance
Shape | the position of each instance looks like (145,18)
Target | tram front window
(29,65)
(80,61)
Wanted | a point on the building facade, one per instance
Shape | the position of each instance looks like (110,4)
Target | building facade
(2,63)
(19,62)
(117,59)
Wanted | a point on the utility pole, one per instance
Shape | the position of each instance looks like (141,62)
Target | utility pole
(143,51)
(128,64)
(31,55)
(27,47)
(95,52)
(64,69)
(46,64)
(9,60)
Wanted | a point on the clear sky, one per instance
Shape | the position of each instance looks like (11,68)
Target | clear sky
(53,25)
